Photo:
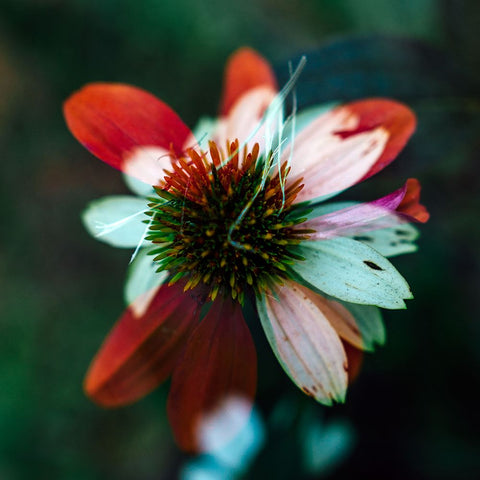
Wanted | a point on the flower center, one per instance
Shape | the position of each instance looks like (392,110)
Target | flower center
(224,221)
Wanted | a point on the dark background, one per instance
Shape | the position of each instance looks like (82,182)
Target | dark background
(414,409)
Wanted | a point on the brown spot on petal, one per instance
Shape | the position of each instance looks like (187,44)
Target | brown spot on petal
(372,265)
(362,238)
(307,391)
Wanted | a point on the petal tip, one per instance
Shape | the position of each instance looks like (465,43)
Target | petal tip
(246,69)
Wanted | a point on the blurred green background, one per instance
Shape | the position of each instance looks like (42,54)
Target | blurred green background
(413,412)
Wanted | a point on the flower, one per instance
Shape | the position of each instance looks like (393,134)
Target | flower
(242,219)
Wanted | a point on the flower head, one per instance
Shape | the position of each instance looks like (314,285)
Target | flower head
(242,217)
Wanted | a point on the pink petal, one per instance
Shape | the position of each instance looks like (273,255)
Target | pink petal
(304,341)
(340,319)
(112,120)
(245,70)
(402,205)
(143,347)
(147,164)
(348,144)
(243,120)
(364,217)
(396,118)
(218,367)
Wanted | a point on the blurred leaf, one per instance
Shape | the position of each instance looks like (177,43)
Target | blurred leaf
(325,444)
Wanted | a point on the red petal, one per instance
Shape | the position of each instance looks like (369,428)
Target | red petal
(141,350)
(110,120)
(355,360)
(410,204)
(394,117)
(218,367)
(245,70)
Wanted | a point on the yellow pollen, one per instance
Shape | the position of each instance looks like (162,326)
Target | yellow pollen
(269,193)
(214,292)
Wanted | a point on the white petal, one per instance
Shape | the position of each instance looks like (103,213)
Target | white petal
(142,276)
(392,241)
(304,342)
(116,220)
(351,271)
(329,163)
(147,163)
(138,187)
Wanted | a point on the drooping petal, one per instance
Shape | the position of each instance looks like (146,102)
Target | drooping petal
(142,276)
(245,70)
(111,120)
(369,322)
(359,325)
(341,320)
(355,360)
(348,144)
(410,206)
(218,367)
(351,271)
(116,220)
(354,219)
(380,224)
(141,350)
(304,342)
